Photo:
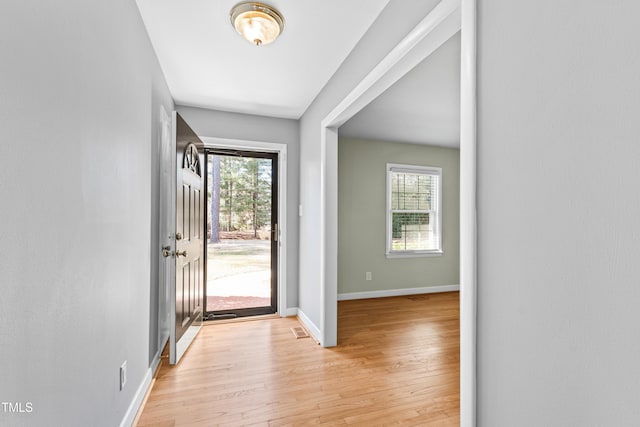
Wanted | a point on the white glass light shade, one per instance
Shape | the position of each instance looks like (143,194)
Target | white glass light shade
(258,23)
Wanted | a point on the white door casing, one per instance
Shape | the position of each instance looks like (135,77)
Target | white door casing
(166,221)
(448,17)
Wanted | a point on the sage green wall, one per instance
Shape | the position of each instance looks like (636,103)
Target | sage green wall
(361,217)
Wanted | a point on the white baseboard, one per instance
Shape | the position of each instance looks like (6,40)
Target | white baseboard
(311,327)
(397,292)
(291,311)
(138,398)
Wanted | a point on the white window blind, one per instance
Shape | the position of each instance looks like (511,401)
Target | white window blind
(413,210)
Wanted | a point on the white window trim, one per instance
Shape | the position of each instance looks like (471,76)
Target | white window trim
(396,167)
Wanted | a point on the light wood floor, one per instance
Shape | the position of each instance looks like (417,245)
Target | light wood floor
(396,363)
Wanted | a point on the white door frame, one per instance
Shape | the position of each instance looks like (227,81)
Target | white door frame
(281,150)
(444,20)
(166,155)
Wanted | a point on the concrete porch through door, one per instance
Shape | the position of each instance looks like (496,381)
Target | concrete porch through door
(238,273)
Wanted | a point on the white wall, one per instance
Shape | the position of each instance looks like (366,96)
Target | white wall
(221,124)
(80,91)
(393,23)
(558,210)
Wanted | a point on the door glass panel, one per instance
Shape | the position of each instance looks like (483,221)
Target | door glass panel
(239,231)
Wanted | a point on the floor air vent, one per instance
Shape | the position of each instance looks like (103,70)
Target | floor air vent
(299,332)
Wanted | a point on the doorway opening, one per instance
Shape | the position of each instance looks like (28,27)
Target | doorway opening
(398,61)
(242,233)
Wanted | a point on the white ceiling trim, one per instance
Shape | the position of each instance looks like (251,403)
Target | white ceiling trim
(426,37)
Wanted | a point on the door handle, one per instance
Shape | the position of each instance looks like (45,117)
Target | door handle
(181,253)
(166,251)
(275,232)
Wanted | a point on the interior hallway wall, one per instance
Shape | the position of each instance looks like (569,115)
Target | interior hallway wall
(558,210)
(80,96)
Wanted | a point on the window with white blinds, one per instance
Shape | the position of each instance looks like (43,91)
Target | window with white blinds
(413,210)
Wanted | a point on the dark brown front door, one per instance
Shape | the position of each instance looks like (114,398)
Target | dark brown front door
(189,237)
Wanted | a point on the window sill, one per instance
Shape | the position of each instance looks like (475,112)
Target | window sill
(414,254)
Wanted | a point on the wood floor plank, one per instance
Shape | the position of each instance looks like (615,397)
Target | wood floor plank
(397,363)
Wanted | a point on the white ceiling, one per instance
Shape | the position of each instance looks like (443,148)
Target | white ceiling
(207,64)
(423,107)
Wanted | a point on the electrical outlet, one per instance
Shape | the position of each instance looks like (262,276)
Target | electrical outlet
(368,275)
(123,374)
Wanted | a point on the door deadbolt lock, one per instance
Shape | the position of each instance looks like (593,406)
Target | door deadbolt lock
(181,253)
(166,251)
(178,236)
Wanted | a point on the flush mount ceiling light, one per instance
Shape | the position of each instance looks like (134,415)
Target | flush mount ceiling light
(259,23)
